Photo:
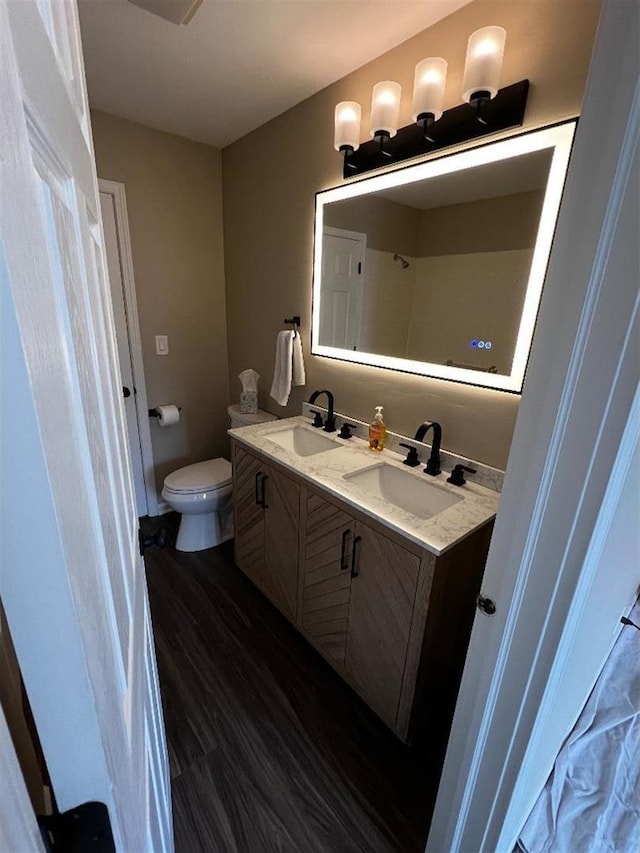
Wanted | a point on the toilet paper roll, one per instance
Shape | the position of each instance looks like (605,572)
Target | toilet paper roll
(168,415)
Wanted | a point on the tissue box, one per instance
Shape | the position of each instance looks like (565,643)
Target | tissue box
(248,402)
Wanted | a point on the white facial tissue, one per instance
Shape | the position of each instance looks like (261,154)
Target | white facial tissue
(249,395)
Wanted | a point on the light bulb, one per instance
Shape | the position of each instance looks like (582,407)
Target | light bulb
(347,126)
(428,88)
(385,108)
(483,64)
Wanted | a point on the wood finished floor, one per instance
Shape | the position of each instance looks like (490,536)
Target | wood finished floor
(269,749)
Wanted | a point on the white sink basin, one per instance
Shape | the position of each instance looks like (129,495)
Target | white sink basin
(403,489)
(301,441)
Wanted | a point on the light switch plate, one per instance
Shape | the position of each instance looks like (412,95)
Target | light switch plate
(162,345)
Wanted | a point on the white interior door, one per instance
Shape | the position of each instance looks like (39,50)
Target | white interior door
(121,318)
(341,293)
(73,581)
(577,403)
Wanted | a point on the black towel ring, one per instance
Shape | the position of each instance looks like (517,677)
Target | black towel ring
(295,322)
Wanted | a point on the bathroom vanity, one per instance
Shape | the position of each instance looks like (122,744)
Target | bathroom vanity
(377,565)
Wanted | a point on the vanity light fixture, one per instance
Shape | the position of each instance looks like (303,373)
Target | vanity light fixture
(483,67)
(428,92)
(385,109)
(486,109)
(347,129)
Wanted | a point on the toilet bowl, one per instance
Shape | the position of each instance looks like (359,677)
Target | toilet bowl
(201,493)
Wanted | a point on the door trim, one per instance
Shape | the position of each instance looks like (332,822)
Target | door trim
(117,191)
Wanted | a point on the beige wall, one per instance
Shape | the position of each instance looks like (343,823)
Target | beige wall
(174,202)
(490,225)
(389,226)
(457,298)
(271,176)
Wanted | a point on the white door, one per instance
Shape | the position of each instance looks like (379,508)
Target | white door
(341,292)
(573,418)
(121,320)
(73,581)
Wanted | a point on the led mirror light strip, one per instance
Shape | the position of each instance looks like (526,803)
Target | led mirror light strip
(559,138)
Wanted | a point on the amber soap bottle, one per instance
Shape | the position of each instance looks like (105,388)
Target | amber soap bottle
(377,431)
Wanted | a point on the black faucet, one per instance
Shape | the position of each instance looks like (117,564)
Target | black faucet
(330,423)
(457,475)
(412,459)
(433,465)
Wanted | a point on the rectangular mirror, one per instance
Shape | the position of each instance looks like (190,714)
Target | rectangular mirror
(437,268)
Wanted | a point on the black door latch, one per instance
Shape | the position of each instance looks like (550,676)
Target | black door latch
(146,540)
(486,605)
(84,829)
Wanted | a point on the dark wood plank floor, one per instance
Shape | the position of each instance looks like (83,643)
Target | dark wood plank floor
(269,749)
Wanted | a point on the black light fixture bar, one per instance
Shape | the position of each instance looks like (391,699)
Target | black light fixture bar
(459,124)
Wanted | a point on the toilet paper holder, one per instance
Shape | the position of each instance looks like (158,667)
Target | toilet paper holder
(154,413)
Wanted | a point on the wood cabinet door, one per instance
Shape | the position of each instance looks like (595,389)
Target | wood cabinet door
(248,476)
(382,596)
(281,497)
(326,577)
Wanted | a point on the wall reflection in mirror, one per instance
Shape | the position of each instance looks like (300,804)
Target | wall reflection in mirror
(438,268)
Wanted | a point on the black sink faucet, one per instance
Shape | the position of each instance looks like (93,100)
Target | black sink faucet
(433,465)
(330,423)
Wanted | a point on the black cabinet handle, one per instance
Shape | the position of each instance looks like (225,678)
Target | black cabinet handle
(257,493)
(354,567)
(263,496)
(343,551)
(125,391)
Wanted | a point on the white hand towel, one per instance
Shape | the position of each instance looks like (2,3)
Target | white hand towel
(299,377)
(282,374)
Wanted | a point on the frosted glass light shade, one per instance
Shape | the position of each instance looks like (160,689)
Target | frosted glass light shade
(385,108)
(483,64)
(347,126)
(428,87)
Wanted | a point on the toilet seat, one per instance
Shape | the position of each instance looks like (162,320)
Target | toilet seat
(202,477)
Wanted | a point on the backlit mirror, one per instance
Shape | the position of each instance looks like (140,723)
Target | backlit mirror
(437,268)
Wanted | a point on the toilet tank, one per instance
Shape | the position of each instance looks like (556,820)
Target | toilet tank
(237,419)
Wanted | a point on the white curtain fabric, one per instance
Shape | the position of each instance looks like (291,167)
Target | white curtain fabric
(591,802)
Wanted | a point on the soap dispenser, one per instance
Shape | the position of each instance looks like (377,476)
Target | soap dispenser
(377,431)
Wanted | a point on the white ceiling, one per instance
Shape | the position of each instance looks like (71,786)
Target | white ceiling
(238,63)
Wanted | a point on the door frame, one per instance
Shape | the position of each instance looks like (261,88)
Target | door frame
(117,191)
(577,401)
(18,827)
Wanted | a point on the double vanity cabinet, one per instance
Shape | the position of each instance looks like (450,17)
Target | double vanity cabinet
(391,614)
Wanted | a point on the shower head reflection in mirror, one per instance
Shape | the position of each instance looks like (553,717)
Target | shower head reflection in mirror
(402,261)
(413,266)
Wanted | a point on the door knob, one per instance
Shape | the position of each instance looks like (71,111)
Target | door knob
(125,391)
(486,605)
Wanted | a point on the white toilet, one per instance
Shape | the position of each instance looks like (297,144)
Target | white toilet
(201,493)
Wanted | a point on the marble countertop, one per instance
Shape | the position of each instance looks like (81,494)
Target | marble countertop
(327,469)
